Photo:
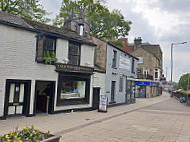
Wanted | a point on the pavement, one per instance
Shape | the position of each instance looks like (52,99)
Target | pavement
(158,119)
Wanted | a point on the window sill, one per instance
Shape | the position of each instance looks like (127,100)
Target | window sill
(114,67)
(112,102)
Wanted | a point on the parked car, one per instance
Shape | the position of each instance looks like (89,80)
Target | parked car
(182,99)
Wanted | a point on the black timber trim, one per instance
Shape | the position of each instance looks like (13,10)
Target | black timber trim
(26,99)
(47,33)
(99,71)
(73,77)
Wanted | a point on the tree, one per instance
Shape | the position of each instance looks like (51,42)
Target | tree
(117,43)
(30,9)
(103,23)
(183,81)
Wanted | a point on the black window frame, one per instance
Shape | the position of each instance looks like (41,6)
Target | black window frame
(73,77)
(114,60)
(44,39)
(133,66)
(74,55)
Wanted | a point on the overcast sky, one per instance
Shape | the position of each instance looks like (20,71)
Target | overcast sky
(156,21)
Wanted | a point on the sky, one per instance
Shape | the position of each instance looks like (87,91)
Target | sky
(160,22)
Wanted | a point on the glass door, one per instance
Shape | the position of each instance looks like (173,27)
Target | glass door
(16,98)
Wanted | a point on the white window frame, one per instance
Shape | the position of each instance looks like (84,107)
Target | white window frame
(140,61)
(158,71)
(146,71)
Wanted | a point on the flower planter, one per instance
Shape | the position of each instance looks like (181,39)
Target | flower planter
(31,135)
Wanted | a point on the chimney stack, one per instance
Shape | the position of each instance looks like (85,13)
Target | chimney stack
(137,43)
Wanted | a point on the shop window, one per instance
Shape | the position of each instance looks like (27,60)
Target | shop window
(121,84)
(45,45)
(73,89)
(74,54)
(114,61)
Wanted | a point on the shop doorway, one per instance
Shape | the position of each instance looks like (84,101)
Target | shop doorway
(142,91)
(96,98)
(44,97)
(17,97)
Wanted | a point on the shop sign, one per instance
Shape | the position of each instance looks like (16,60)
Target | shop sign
(125,63)
(73,68)
(103,104)
(154,84)
(147,83)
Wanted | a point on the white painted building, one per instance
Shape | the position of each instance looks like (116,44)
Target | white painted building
(29,86)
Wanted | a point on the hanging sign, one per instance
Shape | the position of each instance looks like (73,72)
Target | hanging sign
(103,104)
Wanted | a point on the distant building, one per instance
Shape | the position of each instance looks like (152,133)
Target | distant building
(149,65)
(117,68)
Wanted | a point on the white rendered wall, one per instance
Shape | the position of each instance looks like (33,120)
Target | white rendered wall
(17,59)
(99,81)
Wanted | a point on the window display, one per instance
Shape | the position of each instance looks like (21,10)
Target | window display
(72,89)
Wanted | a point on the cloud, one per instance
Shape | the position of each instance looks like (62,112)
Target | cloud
(157,21)
(176,6)
(52,7)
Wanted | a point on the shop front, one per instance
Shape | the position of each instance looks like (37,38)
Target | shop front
(74,85)
(147,89)
(130,98)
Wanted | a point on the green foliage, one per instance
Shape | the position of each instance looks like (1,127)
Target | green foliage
(117,43)
(103,23)
(30,9)
(26,134)
(49,59)
(183,81)
(175,86)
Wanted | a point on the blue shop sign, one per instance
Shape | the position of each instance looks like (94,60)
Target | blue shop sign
(154,84)
(146,83)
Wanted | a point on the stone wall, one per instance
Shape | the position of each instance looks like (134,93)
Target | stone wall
(100,53)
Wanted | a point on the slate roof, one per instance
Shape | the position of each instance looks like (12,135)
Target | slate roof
(27,24)
(154,49)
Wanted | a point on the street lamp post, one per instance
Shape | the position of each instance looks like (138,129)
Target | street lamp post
(172,44)
(188,82)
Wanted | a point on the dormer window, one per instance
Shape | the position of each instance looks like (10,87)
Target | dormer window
(74,54)
(45,46)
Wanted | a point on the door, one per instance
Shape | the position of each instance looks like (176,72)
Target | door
(96,98)
(142,92)
(113,91)
(44,97)
(16,97)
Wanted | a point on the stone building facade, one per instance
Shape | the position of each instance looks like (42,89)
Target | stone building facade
(149,70)
(150,59)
